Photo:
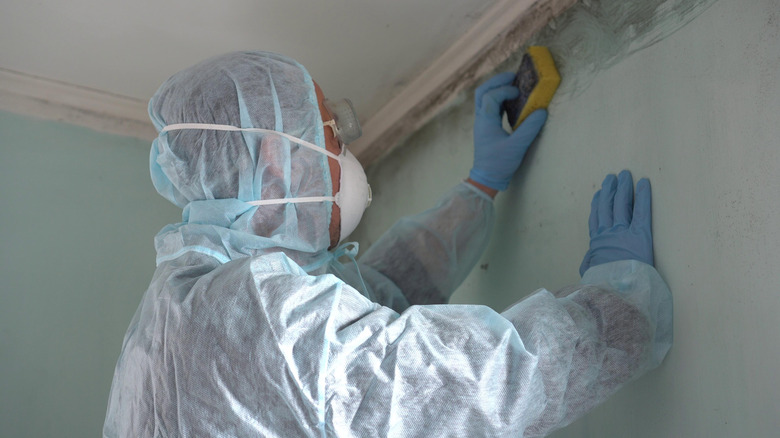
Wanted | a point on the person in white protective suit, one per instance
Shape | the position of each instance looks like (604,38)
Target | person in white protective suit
(253,327)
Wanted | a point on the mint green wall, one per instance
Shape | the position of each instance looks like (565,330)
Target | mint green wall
(697,113)
(78,214)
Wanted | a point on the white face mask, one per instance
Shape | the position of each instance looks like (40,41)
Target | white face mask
(354,194)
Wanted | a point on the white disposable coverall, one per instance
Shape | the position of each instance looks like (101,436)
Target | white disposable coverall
(250,327)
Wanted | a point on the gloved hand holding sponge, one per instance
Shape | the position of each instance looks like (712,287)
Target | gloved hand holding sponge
(498,154)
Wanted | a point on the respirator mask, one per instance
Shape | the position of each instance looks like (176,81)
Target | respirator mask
(354,194)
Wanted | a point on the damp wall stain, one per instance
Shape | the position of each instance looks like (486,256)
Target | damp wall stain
(696,113)
(594,35)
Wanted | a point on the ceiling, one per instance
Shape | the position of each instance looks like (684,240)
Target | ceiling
(367,50)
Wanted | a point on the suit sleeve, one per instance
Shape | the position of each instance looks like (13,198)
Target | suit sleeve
(428,255)
(465,370)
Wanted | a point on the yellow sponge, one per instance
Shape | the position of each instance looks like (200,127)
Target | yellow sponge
(537,79)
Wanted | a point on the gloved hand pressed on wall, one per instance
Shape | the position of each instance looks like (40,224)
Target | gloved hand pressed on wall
(497,154)
(620,222)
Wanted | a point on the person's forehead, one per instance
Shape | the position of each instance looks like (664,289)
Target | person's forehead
(320,94)
(331,143)
(317,87)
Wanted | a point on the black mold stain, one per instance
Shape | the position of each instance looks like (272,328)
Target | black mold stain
(594,35)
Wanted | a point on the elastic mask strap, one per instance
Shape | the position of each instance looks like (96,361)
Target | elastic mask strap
(213,127)
(350,249)
(294,200)
(296,140)
(333,126)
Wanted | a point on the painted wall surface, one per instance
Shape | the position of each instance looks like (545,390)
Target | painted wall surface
(692,103)
(78,214)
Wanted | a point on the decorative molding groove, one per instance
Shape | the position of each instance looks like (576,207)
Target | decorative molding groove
(498,34)
(53,100)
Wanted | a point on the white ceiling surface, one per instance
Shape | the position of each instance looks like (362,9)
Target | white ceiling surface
(367,50)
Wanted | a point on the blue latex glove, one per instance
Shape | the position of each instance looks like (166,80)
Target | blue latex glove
(497,155)
(619,224)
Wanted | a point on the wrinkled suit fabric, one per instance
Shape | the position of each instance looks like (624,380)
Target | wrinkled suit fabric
(251,327)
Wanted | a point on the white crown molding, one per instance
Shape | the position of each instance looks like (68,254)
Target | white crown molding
(53,100)
(499,33)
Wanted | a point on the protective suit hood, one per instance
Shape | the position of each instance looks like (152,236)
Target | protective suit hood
(213,174)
